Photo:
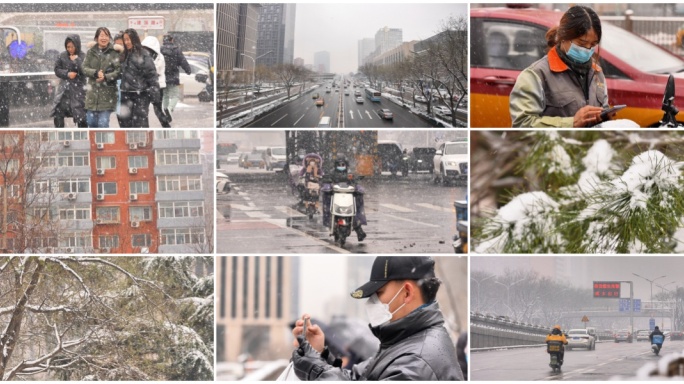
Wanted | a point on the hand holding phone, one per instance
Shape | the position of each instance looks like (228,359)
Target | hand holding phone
(609,111)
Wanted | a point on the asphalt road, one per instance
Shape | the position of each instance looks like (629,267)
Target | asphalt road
(405,215)
(527,364)
(303,113)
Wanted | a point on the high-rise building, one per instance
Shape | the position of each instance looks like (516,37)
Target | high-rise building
(387,38)
(236,35)
(366,47)
(256,300)
(322,62)
(299,62)
(105,192)
(275,40)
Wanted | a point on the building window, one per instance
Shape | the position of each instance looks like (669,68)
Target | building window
(40,186)
(43,214)
(179,236)
(74,213)
(73,159)
(137,162)
(170,134)
(140,213)
(109,241)
(43,242)
(107,188)
(177,157)
(104,137)
(74,185)
(141,240)
(13,190)
(10,165)
(134,137)
(181,209)
(108,214)
(82,240)
(140,187)
(9,140)
(179,183)
(105,162)
(64,135)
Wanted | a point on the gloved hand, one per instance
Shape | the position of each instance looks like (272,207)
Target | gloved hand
(308,363)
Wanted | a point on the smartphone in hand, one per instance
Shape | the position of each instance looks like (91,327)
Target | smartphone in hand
(609,111)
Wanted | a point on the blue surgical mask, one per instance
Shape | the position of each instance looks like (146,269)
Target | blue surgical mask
(580,54)
(341,169)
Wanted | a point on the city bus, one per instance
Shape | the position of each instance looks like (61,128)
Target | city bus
(372,94)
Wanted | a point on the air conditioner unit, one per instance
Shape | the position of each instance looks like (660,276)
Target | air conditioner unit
(142,144)
(99,221)
(135,224)
(66,143)
(132,171)
(133,196)
(99,196)
(69,250)
(71,196)
(105,250)
(132,146)
(100,172)
(100,146)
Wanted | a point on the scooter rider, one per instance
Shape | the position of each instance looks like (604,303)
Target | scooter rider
(656,331)
(340,174)
(557,335)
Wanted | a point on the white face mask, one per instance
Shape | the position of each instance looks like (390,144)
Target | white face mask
(378,312)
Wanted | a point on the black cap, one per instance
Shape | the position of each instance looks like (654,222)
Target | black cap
(388,268)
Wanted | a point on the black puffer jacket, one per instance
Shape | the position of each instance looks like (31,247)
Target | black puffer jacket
(74,89)
(416,347)
(174,58)
(138,74)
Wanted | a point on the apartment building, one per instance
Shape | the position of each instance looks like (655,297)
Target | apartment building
(102,192)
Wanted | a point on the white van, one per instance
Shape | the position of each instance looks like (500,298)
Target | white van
(325,122)
(274,157)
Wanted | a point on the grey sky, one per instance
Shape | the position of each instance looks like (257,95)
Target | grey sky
(337,28)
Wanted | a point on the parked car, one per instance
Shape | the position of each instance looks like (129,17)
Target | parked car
(451,162)
(222,183)
(642,335)
(385,113)
(419,98)
(421,159)
(440,110)
(623,335)
(505,41)
(254,160)
(581,338)
(192,87)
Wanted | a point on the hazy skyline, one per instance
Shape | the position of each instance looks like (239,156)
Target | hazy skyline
(337,28)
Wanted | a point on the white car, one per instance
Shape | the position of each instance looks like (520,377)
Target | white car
(581,338)
(222,183)
(419,98)
(451,162)
(440,110)
(192,87)
(275,157)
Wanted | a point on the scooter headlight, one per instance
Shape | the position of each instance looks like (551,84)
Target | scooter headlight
(339,210)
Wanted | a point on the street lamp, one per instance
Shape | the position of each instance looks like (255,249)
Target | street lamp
(650,281)
(662,313)
(508,292)
(254,59)
(478,286)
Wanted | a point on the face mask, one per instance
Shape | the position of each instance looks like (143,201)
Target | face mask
(341,169)
(378,312)
(580,54)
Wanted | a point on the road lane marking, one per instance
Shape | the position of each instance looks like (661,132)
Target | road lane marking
(289,211)
(276,122)
(360,115)
(369,116)
(304,234)
(412,221)
(241,207)
(258,215)
(295,123)
(351,114)
(397,208)
(435,207)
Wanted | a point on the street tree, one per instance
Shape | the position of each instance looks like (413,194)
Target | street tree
(287,74)
(96,318)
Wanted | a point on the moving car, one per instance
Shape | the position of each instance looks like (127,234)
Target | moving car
(357,93)
(623,335)
(315,96)
(440,110)
(319,102)
(274,157)
(346,92)
(222,183)
(581,338)
(451,162)
(385,113)
(421,159)
(676,335)
(325,122)
(391,154)
(642,335)
(359,100)
(232,158)
(505,41)
(241,159)
(254,160)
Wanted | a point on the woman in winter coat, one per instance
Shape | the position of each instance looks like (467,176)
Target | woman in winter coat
(102,68)
(151,44)
(139,82)
(70,97)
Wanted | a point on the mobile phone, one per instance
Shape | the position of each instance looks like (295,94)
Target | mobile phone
(606,112)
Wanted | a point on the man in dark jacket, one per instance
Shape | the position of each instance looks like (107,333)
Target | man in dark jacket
(69,99)
(174,58)
(403,315)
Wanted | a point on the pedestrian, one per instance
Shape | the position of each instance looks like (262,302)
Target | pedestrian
(151,44)
(69,100)
(118,42)
(174,58)
(567,87)
(102,67)
(139,82)
(403,315)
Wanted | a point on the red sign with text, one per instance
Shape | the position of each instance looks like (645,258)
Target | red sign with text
(607,289)
(146,22)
